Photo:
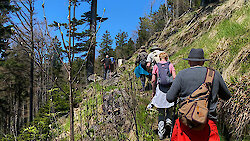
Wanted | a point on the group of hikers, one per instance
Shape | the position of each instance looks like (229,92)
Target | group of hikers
(196,89)
(109,64)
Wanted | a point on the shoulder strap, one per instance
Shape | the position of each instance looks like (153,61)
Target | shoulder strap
(209,76)
(159,65)
(166,64)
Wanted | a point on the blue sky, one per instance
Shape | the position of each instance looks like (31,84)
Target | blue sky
(123,15)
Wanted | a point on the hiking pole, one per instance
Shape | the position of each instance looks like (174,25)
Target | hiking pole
(173,119)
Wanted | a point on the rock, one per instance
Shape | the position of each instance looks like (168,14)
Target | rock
(94,77)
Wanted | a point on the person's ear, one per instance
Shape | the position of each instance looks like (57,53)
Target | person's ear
(202,63)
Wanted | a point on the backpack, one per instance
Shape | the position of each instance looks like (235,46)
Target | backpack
(143,58)
(164,79)
(112,59)
(194,110)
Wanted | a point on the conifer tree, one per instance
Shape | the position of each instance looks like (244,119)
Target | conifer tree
(91,55)
(143,31)
(5,28)
(106,45)
(130,48)
(121,41)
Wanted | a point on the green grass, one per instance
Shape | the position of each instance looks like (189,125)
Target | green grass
(230,29)
(145,119)
(236,34)
(67,125)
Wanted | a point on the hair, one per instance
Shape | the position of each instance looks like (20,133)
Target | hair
(163,55)
(196,63)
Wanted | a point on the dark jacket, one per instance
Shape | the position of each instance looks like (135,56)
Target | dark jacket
(141,56)
(107,62)
(188,80)
(141,59)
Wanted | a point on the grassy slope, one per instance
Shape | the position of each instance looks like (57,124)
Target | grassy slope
(231,35)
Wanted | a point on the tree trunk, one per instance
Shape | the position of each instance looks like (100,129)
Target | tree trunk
(18,111)
(91,55)
(71,111)
(166,6)
(31,61)
(177,8)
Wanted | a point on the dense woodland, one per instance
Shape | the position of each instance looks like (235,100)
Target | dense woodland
(42,76)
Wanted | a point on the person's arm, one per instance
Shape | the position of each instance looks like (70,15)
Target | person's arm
(224,93)
(153,83)
(153,80)
(174,90)
(148,62)
(172,70)
(148,66)
(137,60)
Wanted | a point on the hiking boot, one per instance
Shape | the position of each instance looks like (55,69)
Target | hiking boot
(168,122)
(161,130)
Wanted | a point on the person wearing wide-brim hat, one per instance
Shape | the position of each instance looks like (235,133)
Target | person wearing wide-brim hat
(155,50)
(185,83)
(155,47)
(196,55)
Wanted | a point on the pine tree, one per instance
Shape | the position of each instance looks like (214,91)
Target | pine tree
(130,48)
(121,41)
(143,31)
(106,45)
(5,28)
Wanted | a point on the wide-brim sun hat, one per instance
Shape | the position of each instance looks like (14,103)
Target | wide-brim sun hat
(155,47)
(196,55)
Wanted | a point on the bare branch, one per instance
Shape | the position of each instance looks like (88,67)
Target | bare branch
(51,39)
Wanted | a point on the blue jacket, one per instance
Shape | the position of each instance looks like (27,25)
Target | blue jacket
(139,71)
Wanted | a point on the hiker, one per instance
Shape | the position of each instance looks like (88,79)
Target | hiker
(141,60)
(192,81)
(106,63)
(162,77)
(112,64)
(153,57)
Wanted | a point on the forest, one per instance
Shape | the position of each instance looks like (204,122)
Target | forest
(52,86)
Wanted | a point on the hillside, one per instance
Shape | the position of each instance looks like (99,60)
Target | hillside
(115,109)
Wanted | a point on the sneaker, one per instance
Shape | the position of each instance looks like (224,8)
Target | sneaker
(161,130)
(150,106)
(168,122)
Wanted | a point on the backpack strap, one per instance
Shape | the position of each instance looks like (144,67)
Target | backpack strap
(210,75)
(209,78)
(159,65)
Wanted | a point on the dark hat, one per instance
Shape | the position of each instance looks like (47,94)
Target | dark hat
(155,47)
(196,55)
